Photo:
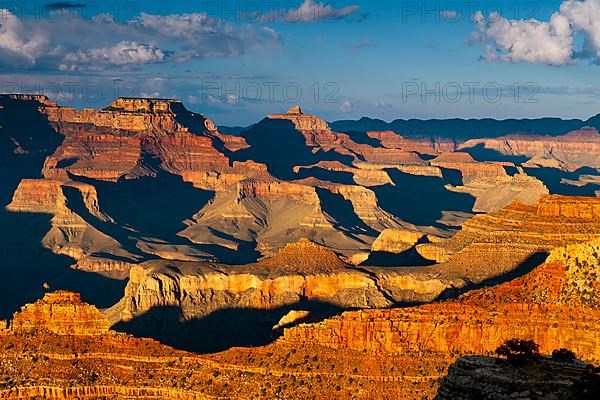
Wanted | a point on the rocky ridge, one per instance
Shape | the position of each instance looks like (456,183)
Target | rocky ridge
(516,238)
(576,149)
(61,313)
(300,273)
(335,191)
(40,362)
(474,378)
(552,305)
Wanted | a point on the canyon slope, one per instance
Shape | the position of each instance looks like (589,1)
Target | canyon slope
(178,302)
(147,191)
(394,353)
(291,259)
(146,178)
(555,305)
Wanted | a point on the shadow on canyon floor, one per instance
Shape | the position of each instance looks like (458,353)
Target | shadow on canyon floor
(281,147)
(482,154)
(155,210)
(154,206)
(221,329)
(363,138)
(553,179)
(27,267)
(420,200)
(524,268)
(408,258)
(26,138)
(342,211)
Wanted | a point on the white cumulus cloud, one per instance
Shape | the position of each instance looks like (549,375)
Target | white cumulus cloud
(526,40)
(542,42)
(585,17)
(78,43)
(122,54)
(19,45)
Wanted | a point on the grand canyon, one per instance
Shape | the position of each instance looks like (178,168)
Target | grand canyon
(149,253)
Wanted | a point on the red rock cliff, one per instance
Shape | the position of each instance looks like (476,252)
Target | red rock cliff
(62,313)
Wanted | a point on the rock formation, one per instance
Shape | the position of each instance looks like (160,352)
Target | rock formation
(335,191)
(134,140)
(303,122)
(574,150)
(395,241)
(300,272)
(515,238)
(67,367)
(573,209)
(511,236)
(148,190)
(474,378)
(554,305)
(495,193)
(62,313)
(468,167)
(392,140)
(70,234)
(115,142)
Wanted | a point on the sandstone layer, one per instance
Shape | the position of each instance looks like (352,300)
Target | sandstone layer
(300,274)
(513,235)
(497,192)
(62,313)
(40,363)
(238,198)
(580,148)
(554,305)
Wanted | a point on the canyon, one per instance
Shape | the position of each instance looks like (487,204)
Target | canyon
(148,254)
(287,177)
(339,357)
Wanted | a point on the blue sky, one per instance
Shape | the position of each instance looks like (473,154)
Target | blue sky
(237,61)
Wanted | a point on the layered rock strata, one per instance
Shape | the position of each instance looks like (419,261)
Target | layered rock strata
(62,313)
(574,150)
(300,272)
(554,305)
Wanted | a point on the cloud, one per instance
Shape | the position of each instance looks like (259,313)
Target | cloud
(77,43)
(312,11)
(20,46)
(585,17)
(122,54)
(182,26)
(526,40)
(346,106)
(542,42)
